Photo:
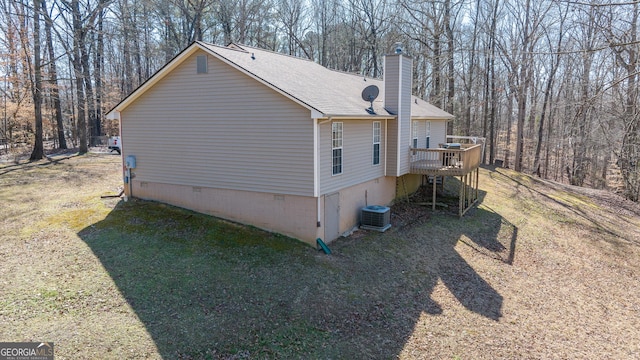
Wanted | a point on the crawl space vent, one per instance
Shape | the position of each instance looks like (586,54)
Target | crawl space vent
(376,217)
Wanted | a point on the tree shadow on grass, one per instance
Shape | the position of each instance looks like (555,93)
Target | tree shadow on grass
(203,287)
(34,164)
(598,219)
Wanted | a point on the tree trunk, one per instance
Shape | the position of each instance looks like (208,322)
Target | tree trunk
(522,108)
(436,97)
(507,150)
(545,102)
(486,100)
(98,61)
(630,153)
(224,18)
(470,81)
(492,69)
(550,142)
(78,43)
(91,107)
(138,52)
(127,71)
(525,80)
(53,73)
(38,147)
(581,126)
(450,64)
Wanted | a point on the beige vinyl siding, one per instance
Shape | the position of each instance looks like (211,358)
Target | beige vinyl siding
(391,103)
(357,155)
(422,133)
(392,147)
(221,129)
(397,99)
(405,115)
(438,132)
(391,84)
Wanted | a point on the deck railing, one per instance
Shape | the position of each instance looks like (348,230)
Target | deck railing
(440,161)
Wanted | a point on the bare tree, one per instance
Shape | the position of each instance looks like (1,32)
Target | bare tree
(582,121)
(373,22)
(492,71)
(625,48)
(553,68)
(79,34)
(469,80)
(525,78)
(292,14)
(38,147)
(448,21)
(325,17)
(555,101)
(53,74)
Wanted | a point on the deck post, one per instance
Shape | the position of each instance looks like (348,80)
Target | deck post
(467,192)
(477,182)
(470,189)
(461,197)
(430,162)
(433,199)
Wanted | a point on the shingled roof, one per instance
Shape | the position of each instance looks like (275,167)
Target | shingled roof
(329,92)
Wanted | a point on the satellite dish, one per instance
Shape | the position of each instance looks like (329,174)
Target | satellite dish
(369,94)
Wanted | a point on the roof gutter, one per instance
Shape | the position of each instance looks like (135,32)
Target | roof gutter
(431,118)
(360,117)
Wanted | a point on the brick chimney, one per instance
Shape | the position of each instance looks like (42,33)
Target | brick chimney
(397,101)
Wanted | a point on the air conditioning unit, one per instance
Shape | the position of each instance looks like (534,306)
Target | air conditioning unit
(375,217)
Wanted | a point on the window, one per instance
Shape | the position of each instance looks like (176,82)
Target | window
(201,64)
(376,142)
(428,133)
(336,148)
(414,133)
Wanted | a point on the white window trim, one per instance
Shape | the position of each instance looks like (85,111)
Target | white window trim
(414,133)
(373,155)
(428,136)
(341,147)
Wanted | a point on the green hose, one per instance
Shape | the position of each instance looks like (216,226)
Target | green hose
(323,246)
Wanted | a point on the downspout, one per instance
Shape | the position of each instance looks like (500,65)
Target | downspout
(316,177)
(316,116)
(400,122)
(385,146)
(318,220)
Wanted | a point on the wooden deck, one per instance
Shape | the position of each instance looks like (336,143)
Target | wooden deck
(463,162)
(446,162)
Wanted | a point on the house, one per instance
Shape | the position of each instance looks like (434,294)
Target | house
(275,141)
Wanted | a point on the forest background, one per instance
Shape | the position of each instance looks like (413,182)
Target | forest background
(551,84)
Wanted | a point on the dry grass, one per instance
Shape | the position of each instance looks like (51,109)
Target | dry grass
(538,270)
(569,292)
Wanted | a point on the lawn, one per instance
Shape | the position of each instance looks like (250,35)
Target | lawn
(537,270)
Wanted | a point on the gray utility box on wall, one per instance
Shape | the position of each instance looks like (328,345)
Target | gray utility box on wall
(375,217)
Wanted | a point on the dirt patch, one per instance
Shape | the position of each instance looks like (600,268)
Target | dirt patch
(417,208)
